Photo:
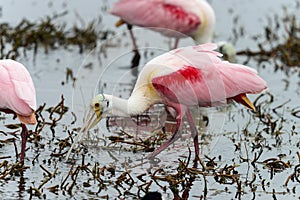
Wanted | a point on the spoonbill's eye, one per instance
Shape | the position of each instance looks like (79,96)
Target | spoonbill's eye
(97,105)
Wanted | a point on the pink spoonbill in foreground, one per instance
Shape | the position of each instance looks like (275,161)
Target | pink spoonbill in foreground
(180,79)
(172,18)
(17,96)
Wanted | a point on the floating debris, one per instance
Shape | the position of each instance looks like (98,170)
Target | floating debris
(49,35)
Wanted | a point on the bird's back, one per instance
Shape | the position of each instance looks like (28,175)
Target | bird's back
(197,76)
(17,90)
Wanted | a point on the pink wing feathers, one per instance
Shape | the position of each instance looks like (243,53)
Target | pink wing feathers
(17,90)
(164,14)
(204,79)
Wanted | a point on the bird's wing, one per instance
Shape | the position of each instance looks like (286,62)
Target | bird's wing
(20,81)
(200,77)
(164,14)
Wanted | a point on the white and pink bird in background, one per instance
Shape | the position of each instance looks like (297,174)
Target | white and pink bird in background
(17,96)
(173,18)
(180,79)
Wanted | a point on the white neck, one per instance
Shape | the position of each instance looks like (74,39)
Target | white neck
(118,107)
(125,108)
(205,32)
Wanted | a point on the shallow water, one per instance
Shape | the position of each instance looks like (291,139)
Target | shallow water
(110,72)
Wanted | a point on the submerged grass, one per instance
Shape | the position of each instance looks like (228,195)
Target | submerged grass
(283,48)
(96,180)
(47,34)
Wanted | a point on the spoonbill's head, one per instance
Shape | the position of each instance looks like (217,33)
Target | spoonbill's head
(228,51)
(99,108)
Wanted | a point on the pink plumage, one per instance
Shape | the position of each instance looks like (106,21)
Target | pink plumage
(197,73)
(180,79)
(173,18)
(192,76)
(17,91)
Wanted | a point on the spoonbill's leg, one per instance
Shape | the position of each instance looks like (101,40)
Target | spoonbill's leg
(24,135)
(170,141)
(176,43)
(136,59)
(171,121)
(193,131)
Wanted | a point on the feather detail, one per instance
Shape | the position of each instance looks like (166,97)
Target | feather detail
(197,76)
(17,88)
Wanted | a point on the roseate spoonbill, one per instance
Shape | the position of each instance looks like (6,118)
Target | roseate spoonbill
(172,18)
(180,79)
(17,96)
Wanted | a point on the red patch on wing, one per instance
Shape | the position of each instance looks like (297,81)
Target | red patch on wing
(171,83)
(190,73)
(181,15)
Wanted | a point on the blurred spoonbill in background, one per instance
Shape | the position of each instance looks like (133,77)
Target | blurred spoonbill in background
(180,79)
(17,96)
(172,18)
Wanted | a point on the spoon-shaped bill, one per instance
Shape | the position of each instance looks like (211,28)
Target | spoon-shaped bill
(90,122)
